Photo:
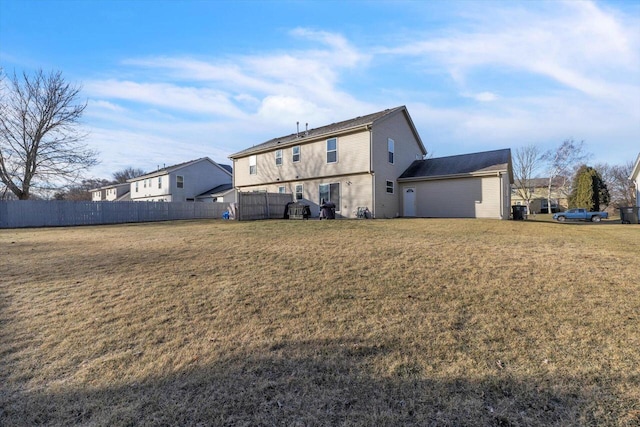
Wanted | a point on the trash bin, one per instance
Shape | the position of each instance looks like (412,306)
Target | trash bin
(630,214)
(297,211)
(519,212)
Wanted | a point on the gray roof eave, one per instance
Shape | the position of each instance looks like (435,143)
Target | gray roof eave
(494,172)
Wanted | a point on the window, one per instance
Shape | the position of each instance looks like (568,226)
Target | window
(278,157)
(179,181)
(390,187)
(298,191)
(145,183)
(296,153)
(281,190)
(252,165)
(137,186)
(159,182)
(391,149)
(330,193)
(332,150)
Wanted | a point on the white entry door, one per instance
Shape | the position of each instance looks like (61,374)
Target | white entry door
(409,202)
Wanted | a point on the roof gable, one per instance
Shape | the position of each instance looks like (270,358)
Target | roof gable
(635,173)
(327,130)
(460,165)
(169,169)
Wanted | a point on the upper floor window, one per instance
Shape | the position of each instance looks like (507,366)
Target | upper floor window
(252,165)
(145,183)
(296,153)
(278,157)
(179,181)
(159,182)
(298,191)
(137,186)
(391,149)
(281,190)
(332,150)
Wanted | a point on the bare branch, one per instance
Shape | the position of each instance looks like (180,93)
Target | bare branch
(40,139)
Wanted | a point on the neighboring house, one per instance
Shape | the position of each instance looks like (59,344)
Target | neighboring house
(224,193)
(476,185)
(110,192)
(353,163)
(635,177)
(538,188)
(179,183)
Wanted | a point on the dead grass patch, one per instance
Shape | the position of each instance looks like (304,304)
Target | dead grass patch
(385,322)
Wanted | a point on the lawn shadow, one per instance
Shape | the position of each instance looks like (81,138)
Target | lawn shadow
(311,384)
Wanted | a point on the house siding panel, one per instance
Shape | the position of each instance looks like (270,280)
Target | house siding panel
(476,197)
(353,157)
(407,149)
(355,191)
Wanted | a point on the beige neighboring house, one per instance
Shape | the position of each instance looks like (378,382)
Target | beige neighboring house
(354,164)
(181,182)
(538,189)
(635,177)
(110,193)
(476,185)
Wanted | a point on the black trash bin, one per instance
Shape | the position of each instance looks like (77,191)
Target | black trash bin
(519,212)
(630,214)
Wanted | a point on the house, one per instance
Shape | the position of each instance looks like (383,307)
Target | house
(538,189)
(224,193)
(110,192)
(354,163)
(181,182)
(476,185)
(635,177)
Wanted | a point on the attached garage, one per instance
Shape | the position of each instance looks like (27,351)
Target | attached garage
(473,185)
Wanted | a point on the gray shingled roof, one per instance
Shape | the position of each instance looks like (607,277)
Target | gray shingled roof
(216,190)
(317,132)
(169,169)
(464,164)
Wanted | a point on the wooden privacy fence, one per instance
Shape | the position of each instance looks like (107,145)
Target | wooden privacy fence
(253,206)
(54,213)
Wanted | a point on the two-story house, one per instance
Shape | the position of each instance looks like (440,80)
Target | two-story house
(538,191)
(181,182)
(110,193)
(354,163)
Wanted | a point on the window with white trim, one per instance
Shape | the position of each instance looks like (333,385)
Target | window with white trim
(299,191)
(332,150)
(253,169)
(390,187)
(179,181)
(281,189)
(330,193)
(137,186)
(159,182)
(278,157)
(295,154)
(391,149)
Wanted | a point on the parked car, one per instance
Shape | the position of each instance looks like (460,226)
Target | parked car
(580,214)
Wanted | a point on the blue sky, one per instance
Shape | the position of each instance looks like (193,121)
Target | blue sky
(170,81)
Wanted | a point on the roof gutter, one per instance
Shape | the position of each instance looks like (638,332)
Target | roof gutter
(454,176)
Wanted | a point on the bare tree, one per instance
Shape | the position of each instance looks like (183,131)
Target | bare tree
(617,179)
(561,165)
(527,161)
(40,141)
(123,175)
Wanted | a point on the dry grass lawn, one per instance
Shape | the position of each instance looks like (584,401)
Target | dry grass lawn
(307,323)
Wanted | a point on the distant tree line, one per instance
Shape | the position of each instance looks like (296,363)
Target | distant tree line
(565,168)
(82,191)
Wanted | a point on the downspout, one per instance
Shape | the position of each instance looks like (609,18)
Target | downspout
(373,175)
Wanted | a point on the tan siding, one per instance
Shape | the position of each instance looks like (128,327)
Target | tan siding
(407,149)
(458,198)
(355,191)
